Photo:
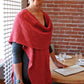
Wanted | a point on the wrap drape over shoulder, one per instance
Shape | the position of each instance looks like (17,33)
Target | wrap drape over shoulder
(35,38)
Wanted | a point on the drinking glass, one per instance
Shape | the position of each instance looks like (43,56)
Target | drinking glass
(62,56)
(78,57)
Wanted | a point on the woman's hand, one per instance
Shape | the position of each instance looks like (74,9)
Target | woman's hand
(56,62)
(60,65)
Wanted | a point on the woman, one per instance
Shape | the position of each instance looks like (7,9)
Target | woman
(30,39)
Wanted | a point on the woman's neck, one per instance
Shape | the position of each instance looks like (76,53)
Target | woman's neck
(34,8)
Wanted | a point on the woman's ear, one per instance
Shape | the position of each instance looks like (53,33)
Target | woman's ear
(28,3)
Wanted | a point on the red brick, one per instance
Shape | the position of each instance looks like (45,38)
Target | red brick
(59,25)
(82,44)
(67,18)
(58,32)
(74,47)
(79,47)
(64,21)
(70,32)
(77,6)
(70,10)
(77,21)
(64,13)
(82,33)
(78,29)
(81,25)
(75,36)
(74,43)
(80,40)
(67,39)
(71,25)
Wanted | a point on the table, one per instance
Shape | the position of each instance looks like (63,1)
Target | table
(77,78)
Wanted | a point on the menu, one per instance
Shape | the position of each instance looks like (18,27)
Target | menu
(69,70)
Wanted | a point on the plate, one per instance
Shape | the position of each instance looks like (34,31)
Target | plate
(63,57)
(81,60)
(57,57)
(80,63)
(68,57)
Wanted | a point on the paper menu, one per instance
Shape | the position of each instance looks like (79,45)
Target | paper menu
(69,70)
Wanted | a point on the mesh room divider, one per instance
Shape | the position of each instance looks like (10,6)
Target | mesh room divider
(10,10)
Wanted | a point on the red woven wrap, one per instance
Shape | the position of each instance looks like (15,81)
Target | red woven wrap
(35,38)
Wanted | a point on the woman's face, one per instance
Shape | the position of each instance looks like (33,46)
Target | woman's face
(36,2)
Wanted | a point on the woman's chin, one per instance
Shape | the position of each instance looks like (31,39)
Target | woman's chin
(37,4)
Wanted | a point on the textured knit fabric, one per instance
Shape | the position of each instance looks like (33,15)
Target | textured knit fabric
(35,38)
(18,52)
(20,56)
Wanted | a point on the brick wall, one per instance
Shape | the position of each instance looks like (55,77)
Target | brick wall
(68,24)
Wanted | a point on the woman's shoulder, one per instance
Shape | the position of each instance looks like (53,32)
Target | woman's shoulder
(21,13)
(19,16)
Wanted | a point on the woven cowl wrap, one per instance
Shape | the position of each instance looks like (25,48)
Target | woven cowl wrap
(35,38)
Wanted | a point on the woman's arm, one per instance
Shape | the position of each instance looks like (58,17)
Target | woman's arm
(18,72)
(57,63)
(17,60)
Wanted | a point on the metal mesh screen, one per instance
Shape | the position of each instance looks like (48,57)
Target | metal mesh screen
(11,8)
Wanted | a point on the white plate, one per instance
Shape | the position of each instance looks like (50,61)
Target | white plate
(80,63)
(68,57)
(57,57)
(81,60)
